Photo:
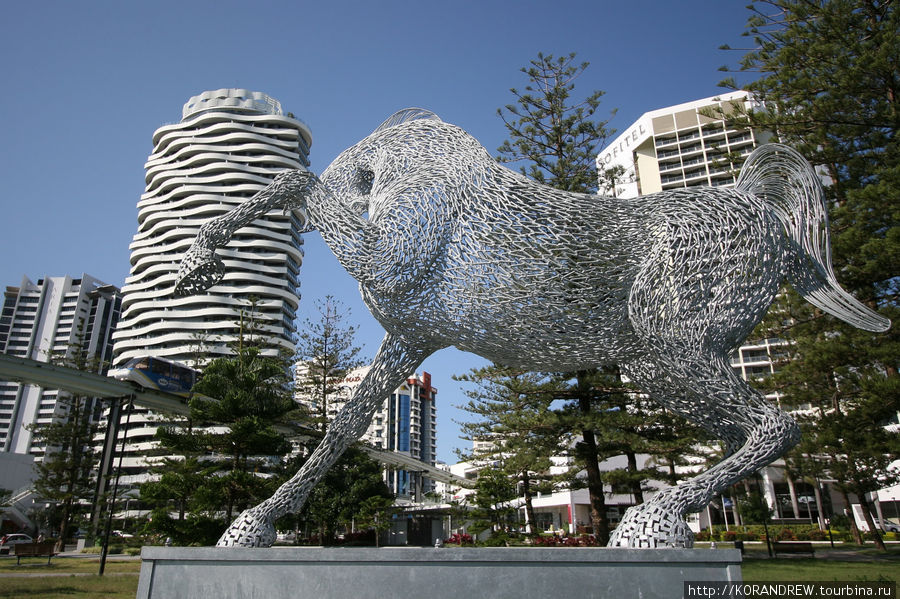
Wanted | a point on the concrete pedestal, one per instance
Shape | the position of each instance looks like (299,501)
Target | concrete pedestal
(445,573)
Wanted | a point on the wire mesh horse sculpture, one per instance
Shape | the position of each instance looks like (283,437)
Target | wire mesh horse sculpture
(452,249)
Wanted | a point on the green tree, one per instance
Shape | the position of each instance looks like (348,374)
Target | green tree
(229,436)
(64,475)
(596,412)
(828,73)
(518,429)
(556,137)
(374,514)
(176,481)
(326,352)
(351,490)
(494,494)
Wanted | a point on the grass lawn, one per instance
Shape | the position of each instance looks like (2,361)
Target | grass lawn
(66,587)
(67,565)
(811,569)
(120,580)
(859,564)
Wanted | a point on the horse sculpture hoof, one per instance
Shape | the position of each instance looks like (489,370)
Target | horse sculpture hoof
(200,269)
(652,526)
(250,529)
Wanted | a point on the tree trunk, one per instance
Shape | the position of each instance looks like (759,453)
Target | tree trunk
(529,506)
(854,530)
(636,489)
(874,530)
(735,509)
(64,526)
(795,506)
(599,521)
(673,473)
(819,505)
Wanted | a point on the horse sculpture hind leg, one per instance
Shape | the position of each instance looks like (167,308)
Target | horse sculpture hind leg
(715,398)
(689,305)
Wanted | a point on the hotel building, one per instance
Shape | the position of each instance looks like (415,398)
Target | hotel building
(680,146)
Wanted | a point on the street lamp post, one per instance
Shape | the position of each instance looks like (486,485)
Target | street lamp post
(112,502)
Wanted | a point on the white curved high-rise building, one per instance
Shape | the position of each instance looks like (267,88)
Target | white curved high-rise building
(229,144)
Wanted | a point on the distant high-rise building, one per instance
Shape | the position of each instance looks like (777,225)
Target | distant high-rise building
(406,423)
(229,144)
(53,318)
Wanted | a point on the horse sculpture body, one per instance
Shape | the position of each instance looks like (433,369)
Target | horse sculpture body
(452,249)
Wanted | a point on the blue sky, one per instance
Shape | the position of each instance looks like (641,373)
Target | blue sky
(85,84)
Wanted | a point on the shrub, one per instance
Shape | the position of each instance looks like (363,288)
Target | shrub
(459,539)
(703,535)
(729,535)
(498,539)
(360,538)
(785,534)
(817,535)
(97,550)
(545,541)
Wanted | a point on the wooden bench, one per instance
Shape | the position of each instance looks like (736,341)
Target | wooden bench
(35,550)
(793,547)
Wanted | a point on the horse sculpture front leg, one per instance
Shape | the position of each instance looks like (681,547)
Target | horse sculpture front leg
(394,362)
(200,267)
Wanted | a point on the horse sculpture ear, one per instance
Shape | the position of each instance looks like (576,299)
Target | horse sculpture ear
(405,115)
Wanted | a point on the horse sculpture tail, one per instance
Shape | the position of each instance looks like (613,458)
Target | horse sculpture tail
(787,183)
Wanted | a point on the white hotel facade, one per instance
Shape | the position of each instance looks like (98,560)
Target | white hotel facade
(680,146)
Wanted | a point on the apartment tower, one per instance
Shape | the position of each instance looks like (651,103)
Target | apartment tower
(229,144)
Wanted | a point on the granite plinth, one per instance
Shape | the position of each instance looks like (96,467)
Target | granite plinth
(470,573)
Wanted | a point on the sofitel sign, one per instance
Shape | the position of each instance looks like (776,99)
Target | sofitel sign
(637,134)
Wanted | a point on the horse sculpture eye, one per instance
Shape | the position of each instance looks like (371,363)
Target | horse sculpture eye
(362,182)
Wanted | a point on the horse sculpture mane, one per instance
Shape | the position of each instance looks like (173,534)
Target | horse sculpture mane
(451,248)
